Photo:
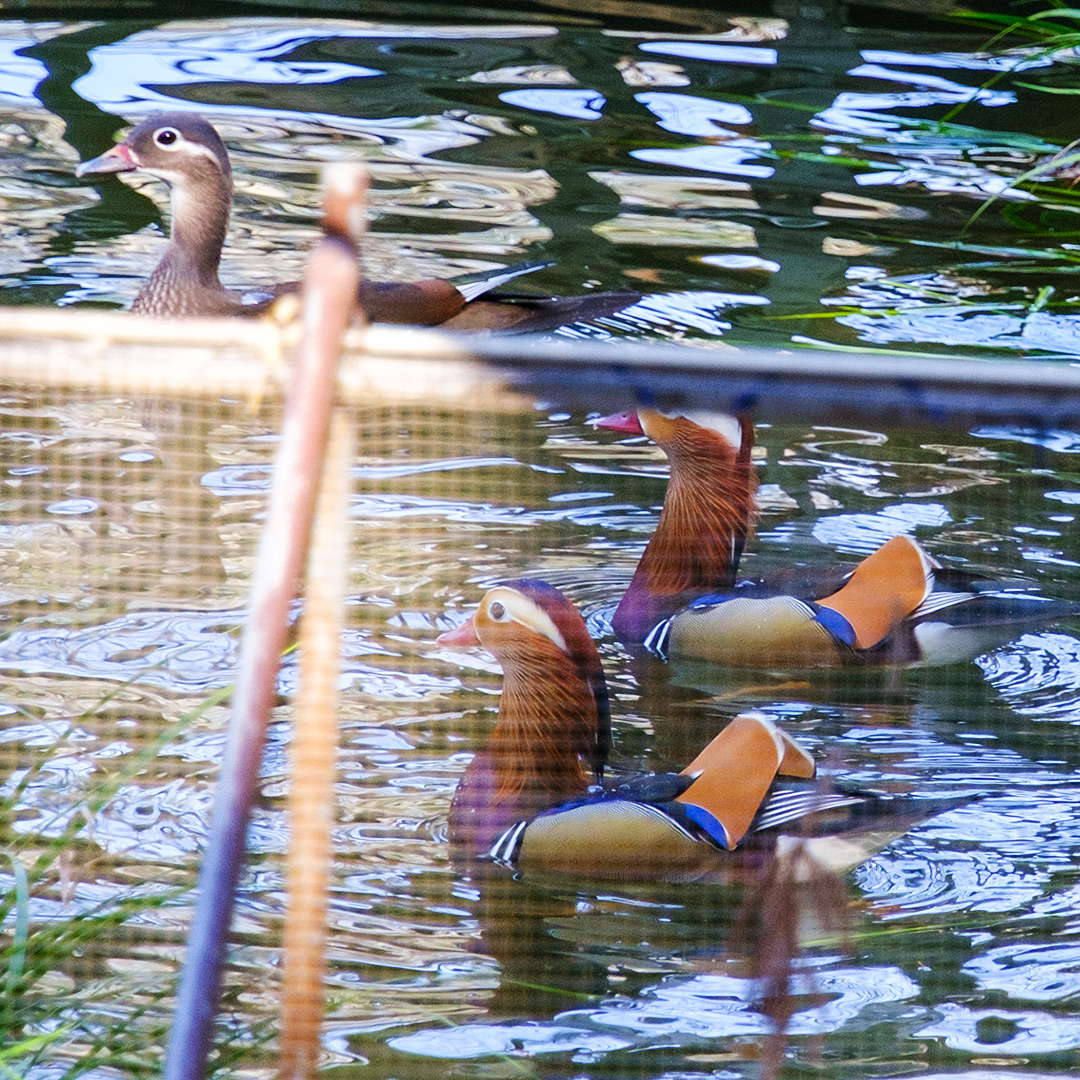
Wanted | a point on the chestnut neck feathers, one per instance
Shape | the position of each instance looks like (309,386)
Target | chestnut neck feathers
(547,724)
(708,511)
(553,719)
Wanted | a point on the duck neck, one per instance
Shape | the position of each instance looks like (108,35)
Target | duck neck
(547,723)
(695,550)
(200,219)
(533,760)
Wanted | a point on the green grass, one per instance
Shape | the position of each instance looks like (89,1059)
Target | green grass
(62,999)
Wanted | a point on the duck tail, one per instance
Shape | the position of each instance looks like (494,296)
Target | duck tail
(856,829)
(473,285)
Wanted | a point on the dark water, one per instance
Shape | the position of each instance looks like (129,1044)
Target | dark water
(762,182)
(759,187)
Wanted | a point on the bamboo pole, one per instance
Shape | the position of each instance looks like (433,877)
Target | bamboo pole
(313,754)
(329,300)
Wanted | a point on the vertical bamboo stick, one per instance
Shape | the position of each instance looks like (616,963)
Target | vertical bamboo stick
(314,746)
(329,302)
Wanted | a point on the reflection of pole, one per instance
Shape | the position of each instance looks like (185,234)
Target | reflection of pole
(329,301)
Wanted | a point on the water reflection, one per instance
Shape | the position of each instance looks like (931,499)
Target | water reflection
(684,1013)
(1030,972)
(442,509)
(128,76)
(498,100)
(702,50)
(1002,1031)
(579,104)
(19,74)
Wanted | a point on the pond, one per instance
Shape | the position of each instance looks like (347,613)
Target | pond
(757,183)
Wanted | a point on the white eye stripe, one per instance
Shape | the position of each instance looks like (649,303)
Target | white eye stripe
(727,427)
(723,424)
(524,611)
(186,145)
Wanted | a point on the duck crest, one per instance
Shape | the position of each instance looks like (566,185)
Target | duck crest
(708,511)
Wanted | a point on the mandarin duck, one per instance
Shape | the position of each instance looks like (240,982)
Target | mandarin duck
(526,801)
(898,606)
(186,152)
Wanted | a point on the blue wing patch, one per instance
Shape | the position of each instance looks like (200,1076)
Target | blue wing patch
(707,823)
(836,624)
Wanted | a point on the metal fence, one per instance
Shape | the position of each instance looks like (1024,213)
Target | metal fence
(138,457)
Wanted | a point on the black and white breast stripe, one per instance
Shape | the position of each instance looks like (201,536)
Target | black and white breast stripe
(504,850)
(657,640)
(784,807)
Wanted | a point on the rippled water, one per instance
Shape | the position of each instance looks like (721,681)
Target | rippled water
(722,178)
(960,934)
(758,181)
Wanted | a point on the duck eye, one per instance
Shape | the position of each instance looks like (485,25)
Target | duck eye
(497,611)
(166,136)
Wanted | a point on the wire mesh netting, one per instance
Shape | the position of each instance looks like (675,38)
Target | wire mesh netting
(129,532)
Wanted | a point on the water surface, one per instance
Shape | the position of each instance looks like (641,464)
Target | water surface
(759,184)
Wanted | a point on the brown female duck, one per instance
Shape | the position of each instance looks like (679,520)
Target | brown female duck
(186,152)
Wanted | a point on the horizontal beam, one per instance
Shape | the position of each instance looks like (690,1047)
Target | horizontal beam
(117,352)
(808,385)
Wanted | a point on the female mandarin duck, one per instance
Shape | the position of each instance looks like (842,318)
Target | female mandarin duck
(898,606)
(186,152)
(525,799)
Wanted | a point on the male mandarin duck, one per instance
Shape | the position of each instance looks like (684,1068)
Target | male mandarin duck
(186,152)
(898,606)
(525,799)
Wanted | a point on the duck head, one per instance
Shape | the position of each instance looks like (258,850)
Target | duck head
(554,717)
(187,153)
(708,511)
(676,432)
